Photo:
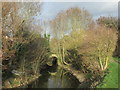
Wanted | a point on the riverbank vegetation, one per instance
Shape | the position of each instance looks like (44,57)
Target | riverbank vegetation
(111,79)
(24,49)
(83,46)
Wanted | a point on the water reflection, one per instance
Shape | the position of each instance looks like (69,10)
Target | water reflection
(55,77)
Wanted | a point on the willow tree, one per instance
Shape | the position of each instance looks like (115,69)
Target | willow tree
(66,22)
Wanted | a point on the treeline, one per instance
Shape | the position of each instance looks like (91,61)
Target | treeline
(82,43)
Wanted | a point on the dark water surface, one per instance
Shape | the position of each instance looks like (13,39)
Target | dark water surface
(55,77)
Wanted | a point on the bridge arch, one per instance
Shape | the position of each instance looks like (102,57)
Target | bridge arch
(53,60)
(53,55)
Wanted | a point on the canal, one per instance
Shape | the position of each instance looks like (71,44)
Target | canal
(54,77)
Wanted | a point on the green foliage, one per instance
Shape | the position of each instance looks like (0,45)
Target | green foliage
(74,40)
(47,39)
(89,75)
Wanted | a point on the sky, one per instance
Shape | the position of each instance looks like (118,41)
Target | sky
(96,9)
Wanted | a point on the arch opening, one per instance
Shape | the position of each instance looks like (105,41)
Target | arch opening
(54,60)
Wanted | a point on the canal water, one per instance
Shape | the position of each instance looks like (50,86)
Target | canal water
(55,77)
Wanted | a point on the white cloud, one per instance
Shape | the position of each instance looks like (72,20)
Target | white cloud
(50,9)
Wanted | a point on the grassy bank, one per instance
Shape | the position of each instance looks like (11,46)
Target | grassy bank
(111,79)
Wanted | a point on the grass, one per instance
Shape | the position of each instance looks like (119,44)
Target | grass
(111,79)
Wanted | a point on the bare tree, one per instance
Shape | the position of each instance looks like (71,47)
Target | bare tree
(99,45)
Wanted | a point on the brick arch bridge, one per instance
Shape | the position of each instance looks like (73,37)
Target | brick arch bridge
(52,60)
